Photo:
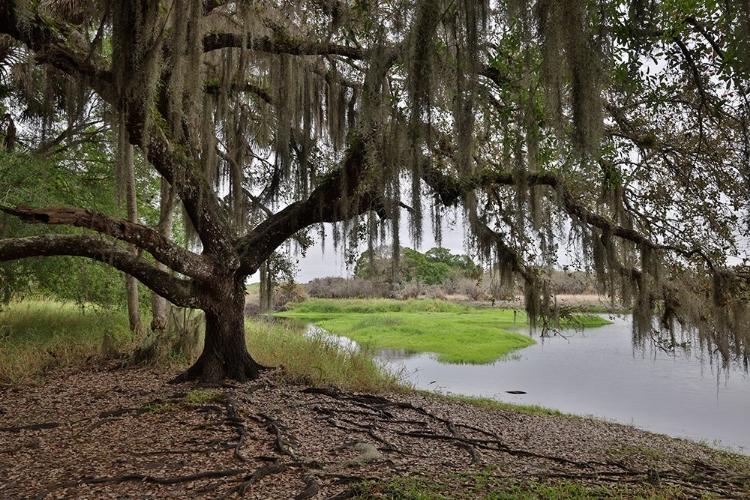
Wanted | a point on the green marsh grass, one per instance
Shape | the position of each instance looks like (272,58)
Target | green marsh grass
(37,336)
(456,333)
(314,359)
(371,306)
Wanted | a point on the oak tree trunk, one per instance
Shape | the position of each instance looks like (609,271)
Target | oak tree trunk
(225,352)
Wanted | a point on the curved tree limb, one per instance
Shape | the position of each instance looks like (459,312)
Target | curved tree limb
(279,45)
(329,202)
(180,292)
(451,190)
(163,250)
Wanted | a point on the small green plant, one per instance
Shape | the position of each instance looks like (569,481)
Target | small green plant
(197,397)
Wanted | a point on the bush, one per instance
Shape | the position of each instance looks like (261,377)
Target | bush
(409,291)
(289,292)
(575,283)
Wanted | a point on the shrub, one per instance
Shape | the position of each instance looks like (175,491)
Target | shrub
(572,283)
(289,292)
(409,291)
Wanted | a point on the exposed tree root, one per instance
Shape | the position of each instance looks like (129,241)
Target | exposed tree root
(274,427)
(30,427)
(235,420)
(211,372)
(142,478)
(311,489)
(354,421)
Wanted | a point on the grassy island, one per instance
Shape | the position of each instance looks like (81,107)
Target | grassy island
(456,333)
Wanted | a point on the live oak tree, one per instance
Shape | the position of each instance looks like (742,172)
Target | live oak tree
(617,129)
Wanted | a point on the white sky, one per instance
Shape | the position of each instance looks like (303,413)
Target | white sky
(319,264)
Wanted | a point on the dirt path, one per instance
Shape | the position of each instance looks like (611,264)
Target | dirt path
(126,433)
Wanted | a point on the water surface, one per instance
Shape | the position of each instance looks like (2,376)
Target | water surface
(598,372)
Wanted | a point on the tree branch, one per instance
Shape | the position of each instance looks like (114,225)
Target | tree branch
(58,44)
(451,190)
(279,45)
(180,292)
(329,202)
(63,47)
(163,250)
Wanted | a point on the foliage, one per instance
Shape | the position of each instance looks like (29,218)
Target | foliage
(572,283)
(289,292)
(343,288)
(377,306)
(615,129)
(58,180)
(433,267)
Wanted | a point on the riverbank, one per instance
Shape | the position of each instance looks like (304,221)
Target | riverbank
(111,431)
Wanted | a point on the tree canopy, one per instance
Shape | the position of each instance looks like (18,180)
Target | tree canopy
(615,129)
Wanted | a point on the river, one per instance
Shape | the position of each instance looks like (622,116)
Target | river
(598,372)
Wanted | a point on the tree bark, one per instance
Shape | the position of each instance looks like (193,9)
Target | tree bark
(131,203)
(159,303)
(225,352)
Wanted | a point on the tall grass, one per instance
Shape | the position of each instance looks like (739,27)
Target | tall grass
(41,336)
(37,336)
(315,360)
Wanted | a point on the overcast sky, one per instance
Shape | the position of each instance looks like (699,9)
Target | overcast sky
(320,264)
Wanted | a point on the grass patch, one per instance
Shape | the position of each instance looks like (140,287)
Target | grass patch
(198,397)
(583,321)
(37,336)
(490,487)
(502,405)
(315,360)
(456,333)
